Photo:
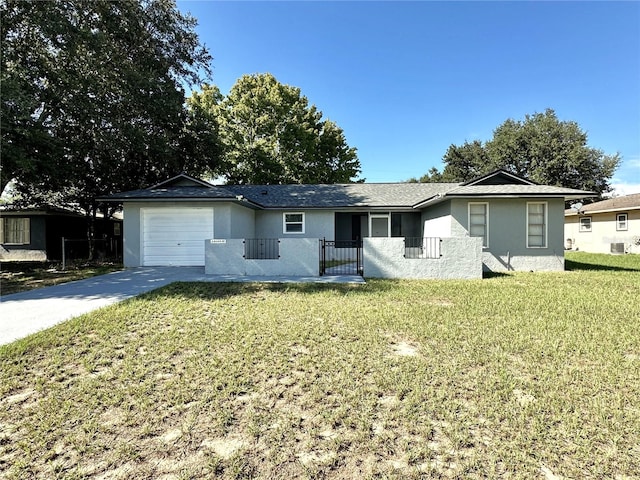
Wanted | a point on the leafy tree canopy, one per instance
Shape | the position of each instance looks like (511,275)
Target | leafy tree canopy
(271,135)
(92,97)
(541,148)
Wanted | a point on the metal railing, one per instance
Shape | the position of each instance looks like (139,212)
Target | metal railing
(343,257)
(261,248)
(422,247)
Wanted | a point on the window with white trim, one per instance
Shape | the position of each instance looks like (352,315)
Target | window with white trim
(293,222)
(622,222)
(585,224)
(537,224)
(15,231)
(479,221)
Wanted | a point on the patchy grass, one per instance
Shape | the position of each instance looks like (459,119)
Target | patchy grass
(22,276)
(518,376)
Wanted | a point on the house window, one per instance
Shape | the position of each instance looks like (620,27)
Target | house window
(621,222)
(15,231)
(116,229)
(537,225)
(380,224)
(585,224)
(479,221)
(293,222)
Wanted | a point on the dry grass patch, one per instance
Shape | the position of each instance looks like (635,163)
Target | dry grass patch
(22,276)
(513,377)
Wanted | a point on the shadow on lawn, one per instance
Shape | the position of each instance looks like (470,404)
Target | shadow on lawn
(213,290)
(573,266)
(496,274)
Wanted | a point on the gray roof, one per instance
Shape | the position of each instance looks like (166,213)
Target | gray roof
(194,193)
(13,210)
(519,190)
(626,202)
(338,196)
(370,195)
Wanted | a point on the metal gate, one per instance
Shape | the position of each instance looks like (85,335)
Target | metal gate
(341,257)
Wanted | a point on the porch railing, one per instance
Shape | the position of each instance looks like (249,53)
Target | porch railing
(341,257)
(261,248)
(422,247)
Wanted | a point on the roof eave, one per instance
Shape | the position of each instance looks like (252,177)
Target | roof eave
(610,210)
(516,195)
(344,208)
(181,175)
(238,201)
(430,201)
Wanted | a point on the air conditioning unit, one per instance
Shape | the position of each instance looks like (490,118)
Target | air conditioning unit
(617,248)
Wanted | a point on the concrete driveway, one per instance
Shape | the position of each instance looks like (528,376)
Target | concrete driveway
(22,314)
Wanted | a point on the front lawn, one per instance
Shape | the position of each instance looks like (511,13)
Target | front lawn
(597,261)
(518,376)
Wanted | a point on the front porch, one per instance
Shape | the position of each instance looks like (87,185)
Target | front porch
(380,257)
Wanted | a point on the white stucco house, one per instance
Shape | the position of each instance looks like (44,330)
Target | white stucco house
(498,222)
(608,226)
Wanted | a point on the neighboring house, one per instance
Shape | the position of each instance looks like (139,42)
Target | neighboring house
(498,222)
(35,234)
(609,226)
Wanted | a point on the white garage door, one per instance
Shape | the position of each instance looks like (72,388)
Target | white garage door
(175,236)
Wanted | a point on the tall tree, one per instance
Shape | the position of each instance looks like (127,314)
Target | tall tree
(432,176)
(271,135)
(464,162)
(201,143)
(92,96)
(550,151)
(541,148)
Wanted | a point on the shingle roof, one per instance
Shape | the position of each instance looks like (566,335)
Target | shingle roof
(372,195)
(13,210)
(626,202)
(351,195)
(183,192)
(534,190)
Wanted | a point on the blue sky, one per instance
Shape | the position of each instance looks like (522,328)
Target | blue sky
(405,80)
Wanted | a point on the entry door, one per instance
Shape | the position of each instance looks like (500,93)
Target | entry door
(175,236)
(379,225)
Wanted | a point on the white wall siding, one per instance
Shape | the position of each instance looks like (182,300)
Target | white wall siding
(298,257)
(603,232)
(437,220)
(438,227)
(461,258)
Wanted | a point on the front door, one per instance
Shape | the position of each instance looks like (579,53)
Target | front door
(380,225)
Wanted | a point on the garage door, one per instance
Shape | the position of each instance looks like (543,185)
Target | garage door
(175,236)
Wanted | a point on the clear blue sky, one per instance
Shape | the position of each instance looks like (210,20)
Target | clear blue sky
(405,80)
